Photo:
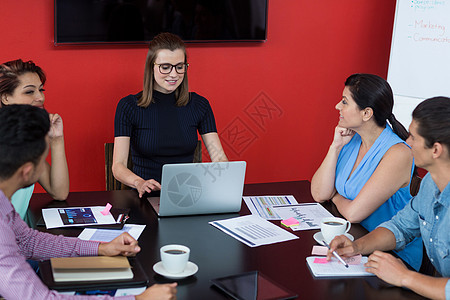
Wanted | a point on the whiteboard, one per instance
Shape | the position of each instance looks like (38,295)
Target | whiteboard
(419,64)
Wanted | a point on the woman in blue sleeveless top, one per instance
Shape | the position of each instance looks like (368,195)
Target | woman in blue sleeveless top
(368,167)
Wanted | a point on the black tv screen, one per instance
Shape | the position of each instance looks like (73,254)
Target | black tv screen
(138,21)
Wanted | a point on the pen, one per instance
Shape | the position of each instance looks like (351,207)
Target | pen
(335,254)
(119,219)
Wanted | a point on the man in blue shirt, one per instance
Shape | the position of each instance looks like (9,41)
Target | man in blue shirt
(427,215)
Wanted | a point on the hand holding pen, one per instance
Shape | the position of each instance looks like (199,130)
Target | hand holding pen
(336,255)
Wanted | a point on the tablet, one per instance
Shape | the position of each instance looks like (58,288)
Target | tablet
(252,286)
(114,211)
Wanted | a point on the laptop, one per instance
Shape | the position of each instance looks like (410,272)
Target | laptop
(200,188)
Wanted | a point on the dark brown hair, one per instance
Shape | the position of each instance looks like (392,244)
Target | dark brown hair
(372,91)
(433,120)
(10,72)
(23,129)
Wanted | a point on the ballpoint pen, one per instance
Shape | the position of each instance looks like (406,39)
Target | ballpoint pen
(335,254)
(119,219)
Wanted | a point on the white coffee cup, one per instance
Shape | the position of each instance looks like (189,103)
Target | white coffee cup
(332,227)
(174,258)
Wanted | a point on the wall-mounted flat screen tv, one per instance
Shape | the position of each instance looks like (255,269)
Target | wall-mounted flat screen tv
(138,21)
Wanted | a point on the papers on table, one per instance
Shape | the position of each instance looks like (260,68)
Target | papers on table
(76,216)
(107,235)
(116,293)
(309,215)
(253,230)
(334,268)
(262,205)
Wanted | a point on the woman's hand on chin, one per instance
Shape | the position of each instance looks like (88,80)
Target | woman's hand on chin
(342,136)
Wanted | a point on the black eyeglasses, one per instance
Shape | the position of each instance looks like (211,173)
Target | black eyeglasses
(180,68)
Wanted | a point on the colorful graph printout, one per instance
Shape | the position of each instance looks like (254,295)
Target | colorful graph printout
(263,205)
(309,215)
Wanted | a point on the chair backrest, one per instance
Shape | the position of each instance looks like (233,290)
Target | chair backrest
(113,184)
(415,185)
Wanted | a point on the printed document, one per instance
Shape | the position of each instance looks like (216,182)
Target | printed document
(262,205)
(107,235)
(116,293)
(308,215)
(253,230)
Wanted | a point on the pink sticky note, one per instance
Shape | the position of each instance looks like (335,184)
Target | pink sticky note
(319,250)
(321,260)
(353,260)
(106,210)
(290,222)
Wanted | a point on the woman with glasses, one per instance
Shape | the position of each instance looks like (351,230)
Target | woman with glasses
(367,170)
(23,83)
(161,122)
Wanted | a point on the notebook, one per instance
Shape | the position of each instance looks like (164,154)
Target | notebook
(336,269)
(91,268)
(200,188)
(122,279)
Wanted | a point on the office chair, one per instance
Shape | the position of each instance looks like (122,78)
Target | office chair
(113,184)
(415,185)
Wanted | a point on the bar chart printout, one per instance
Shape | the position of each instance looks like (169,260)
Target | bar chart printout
(253,230)
(308,215)
(263,205)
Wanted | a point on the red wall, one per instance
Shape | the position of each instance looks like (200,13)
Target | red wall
(273,101)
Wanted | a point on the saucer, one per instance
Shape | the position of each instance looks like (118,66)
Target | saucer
(190,270)
(318,237)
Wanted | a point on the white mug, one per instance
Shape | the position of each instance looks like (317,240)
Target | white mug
(332,227)
(174,258)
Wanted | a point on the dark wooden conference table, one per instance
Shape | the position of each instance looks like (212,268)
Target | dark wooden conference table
(218,254)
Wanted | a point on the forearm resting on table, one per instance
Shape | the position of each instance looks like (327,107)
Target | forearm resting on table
(427,286)
(379,239)
(349,210)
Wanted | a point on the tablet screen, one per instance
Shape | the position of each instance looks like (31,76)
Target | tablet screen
(252,286)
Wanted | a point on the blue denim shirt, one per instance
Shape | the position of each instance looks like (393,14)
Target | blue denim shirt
(426,215)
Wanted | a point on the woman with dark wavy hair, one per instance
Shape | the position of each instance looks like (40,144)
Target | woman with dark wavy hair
(161,122)
(368,168)
(22,82)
